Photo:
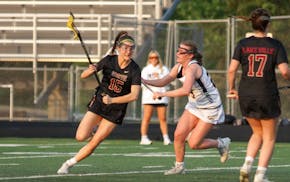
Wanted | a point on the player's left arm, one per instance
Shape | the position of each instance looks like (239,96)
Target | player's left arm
(132,96)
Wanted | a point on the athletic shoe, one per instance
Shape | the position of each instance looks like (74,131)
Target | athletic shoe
(264,179)
(167,142)
(175,170)
(145,141)
(224,150)
(64,169)
(244,175)
(260,177)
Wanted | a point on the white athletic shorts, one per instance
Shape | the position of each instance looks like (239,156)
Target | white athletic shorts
(209,115)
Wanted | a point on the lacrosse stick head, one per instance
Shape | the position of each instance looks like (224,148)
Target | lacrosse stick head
(71,26)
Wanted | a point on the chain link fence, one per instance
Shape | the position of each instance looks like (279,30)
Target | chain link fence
(51,93)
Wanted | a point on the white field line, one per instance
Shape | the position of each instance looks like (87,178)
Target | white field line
(149,167)
(31,155)
(126,173)
(10,164)
(36,145)
(13,145)
(190,154)
(103,144)
(211,153)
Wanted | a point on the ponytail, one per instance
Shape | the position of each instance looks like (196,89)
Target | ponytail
(243,18)
(116,42)
(198,57)
(259,18)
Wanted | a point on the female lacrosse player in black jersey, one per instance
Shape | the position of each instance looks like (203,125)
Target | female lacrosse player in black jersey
(121,84)
(258,94)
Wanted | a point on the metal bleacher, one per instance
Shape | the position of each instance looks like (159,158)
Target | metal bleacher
(35,33)
(35,30)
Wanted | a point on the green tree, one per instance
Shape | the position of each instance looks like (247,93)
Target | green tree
(213,9)
(199,9)
(244,7)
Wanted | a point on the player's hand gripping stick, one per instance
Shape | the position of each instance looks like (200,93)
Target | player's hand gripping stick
(149,89)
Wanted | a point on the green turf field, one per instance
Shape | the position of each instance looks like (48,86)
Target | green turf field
(35,160)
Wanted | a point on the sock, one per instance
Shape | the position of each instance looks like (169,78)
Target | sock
(144,137)
(71,161)
(220,143)
(248,163)
(166,137)
(260,172)
(179,164)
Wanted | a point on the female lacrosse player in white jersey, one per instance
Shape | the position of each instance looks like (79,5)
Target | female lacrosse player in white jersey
(203,110)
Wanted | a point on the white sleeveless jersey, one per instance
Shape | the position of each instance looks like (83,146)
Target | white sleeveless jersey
(204,100)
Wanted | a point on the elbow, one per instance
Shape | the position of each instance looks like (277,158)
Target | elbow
(186,92)
(134,98)
(83,76)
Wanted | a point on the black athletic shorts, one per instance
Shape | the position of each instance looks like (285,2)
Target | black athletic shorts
(113,112)
(260,107)
(157,105)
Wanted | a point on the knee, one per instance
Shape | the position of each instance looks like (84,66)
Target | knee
(80,138)
(179,137)
(145,121)
(162,121)
(193,145)
(258,135)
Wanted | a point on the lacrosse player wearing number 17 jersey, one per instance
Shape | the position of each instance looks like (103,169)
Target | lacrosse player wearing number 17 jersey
(258,94)
(121,84)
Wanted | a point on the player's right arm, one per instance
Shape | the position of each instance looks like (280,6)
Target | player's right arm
(89,71)
(232,70)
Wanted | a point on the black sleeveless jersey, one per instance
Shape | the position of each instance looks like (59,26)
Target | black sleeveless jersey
(117,81)
(259,58)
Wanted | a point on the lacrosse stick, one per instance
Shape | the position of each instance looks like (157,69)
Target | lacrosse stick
(150,89)
(77,35)
(284,87)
